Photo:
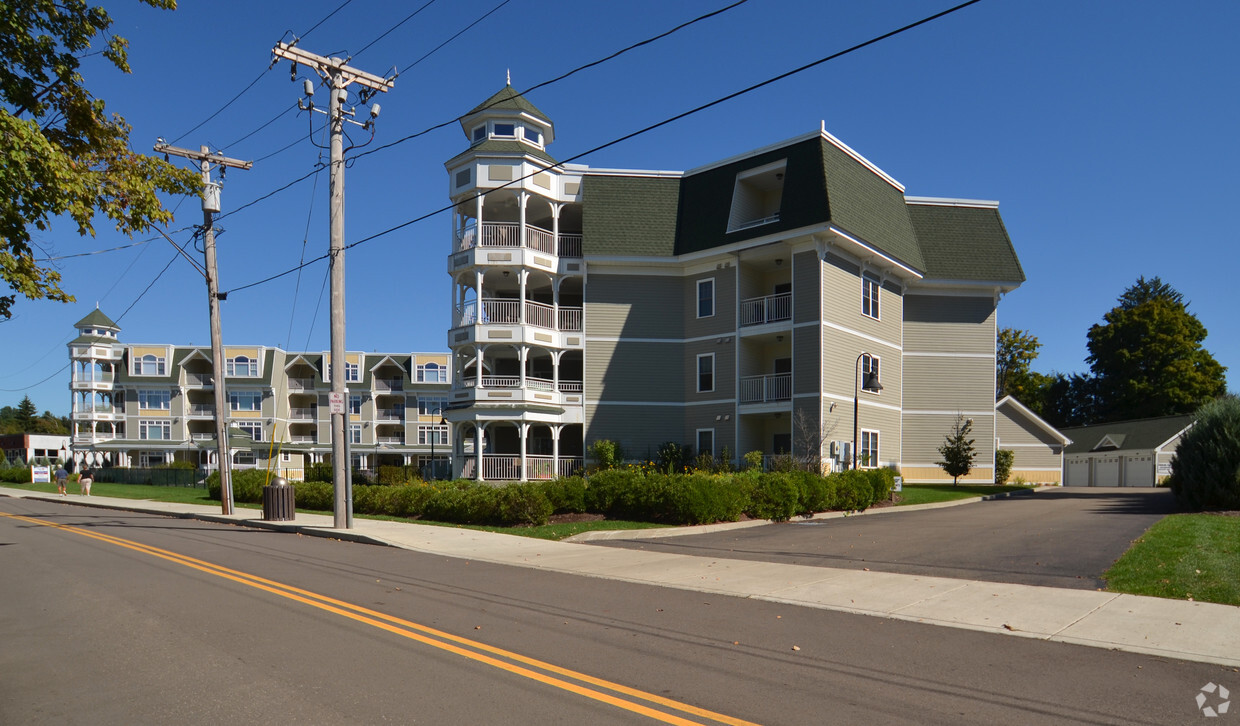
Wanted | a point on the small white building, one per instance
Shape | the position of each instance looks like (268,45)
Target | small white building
(1037,447)
(1134,453)
(28,447)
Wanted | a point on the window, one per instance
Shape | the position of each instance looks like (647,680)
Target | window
(432,373)
(286,457)
(509,130)
(869,364)
(149,365)
(757,196)
(355,433)
(155,430)
(355,405)
(245,400)
(867,457)
(432,405)
(706,373)
(352,371)
(244,458)
(706,441)
(432,434)
(532,135)
(155,399)
(869,295)
(706,298)
(253,428)
(480,133)
(241,366)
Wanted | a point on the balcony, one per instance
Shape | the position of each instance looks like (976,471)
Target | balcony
(200,409)
(390,414)
(507,467)
(766,389)
(388,384)
(303,414)
(301,384)
(507,311)
(767,309)
(303,438)
(508,234)
(536,384)
(199,379)
(389,439)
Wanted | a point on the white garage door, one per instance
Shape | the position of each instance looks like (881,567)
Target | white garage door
(1078,473)
(1106,472)
(1138,471)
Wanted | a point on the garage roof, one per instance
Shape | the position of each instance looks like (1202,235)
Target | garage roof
(1138,434)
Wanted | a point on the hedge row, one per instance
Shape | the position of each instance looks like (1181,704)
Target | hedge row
(619,494)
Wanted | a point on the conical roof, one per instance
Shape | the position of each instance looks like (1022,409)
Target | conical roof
(96,319)
(508,99)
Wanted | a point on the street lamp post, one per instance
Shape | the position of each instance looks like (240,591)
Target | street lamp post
(434,435)
(871,384)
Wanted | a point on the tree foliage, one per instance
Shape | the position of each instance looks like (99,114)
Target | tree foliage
(64,155)
(1205,473)
(1015,352)
(1147,358)
(24,419)
(957,451)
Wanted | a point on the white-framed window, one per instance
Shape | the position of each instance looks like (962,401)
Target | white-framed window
(867,456)
(150,365)
(869,295)
(507,131)
(480,133)
(286,457)
(532,135)
(154,430)
(432,432)
(148,459)
(706,373)
(155,399)
(432,405)
(244,458)
(355,404)
(432,373)
(241,367)
(706,298)
(706,441)
(869,364)
(352,372)
(253,428)
(245,400)
(355,433)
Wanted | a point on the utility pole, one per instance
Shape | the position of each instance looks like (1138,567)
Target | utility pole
(339,77)
(211,205)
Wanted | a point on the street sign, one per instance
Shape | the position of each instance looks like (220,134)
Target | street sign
(899,486)
(335,402)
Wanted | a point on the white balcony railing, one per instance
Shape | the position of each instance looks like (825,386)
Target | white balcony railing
(389,439)
(303,414)
(765,389)
(301,384)
(390,414)
(501,467)
(389,384)
(303,438)
(201,409)
(570,245)
(537,238)
(532,383)
(508,234)
(768,309)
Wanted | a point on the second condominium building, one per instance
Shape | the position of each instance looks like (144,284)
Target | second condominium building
(740,306)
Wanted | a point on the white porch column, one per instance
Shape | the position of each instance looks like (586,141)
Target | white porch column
(555,227)
(524,428)
(555,371)
(478,296)
(523,354)
(478,349)
(522,278)
(479,432)
(555,451)
(522,199)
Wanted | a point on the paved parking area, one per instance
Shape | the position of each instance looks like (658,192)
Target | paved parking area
(1059,538)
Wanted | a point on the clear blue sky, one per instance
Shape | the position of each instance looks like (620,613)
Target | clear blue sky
(1107,131)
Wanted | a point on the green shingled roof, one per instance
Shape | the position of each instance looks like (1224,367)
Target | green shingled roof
(868,207)
(1139,434)
(629,215)
(965,243)
(502,147)
(508,99)
(96,319)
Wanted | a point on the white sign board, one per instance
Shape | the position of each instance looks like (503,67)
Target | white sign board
(899,485)
(335,402)
(41,474)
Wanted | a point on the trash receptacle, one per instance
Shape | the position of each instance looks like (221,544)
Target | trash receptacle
(278,501)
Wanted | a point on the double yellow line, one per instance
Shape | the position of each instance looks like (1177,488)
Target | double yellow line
(588,686)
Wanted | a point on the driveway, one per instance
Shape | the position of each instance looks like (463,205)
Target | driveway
(1058,538)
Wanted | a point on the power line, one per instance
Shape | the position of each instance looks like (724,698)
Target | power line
(639,132)
(385,33)
(318,166)
(277,117)
(458,34)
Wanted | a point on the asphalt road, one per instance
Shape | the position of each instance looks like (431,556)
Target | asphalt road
(1058,538)
(100,628)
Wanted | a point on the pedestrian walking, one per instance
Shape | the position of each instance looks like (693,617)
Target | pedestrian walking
(62,478)
(85,480)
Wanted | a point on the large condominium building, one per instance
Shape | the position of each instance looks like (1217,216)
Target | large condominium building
(741,306)
(147,405)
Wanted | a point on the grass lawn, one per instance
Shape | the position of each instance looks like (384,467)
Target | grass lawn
(929,493)
(184,495)
(1183,556)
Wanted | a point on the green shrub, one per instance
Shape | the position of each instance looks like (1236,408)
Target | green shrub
(1003,465)
(669,457)
(314,495)
(247,485)
(566,494)
(817,492)
(853,490)
(389,475)
(521,504)
(775,496)
(611,491)
(16,475)
(1205,473)
(699,499)
(318,472)
(606,454)
(753,460)
(882,481)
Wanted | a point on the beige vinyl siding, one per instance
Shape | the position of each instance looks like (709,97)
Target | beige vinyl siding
(703,417)
(635,306)
(808,411)
(841,302)
(948,384)
(942,324)
(1032,457)
(840,367)
(806,288)
(724,319)
(806,365)
(629,371)
(924,433)
(887,423)
(725,369)
(638,429)
(756,281)
(1019,430)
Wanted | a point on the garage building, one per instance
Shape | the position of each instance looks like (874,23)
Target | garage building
(1134,453)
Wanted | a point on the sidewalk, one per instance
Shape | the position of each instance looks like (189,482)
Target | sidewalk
(1193,631)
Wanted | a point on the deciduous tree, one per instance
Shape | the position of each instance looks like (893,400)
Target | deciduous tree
(63,155)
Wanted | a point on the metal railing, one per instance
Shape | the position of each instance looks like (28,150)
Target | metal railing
(389,384)
(390,414)
(764,389)
(766,309)
(389,439)
(303,438)
(508,234)
(570,320)
(570,245)
(201,409)
(303,414)
(301,384)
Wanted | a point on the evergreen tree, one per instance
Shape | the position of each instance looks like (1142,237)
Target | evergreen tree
(957,451)
(1147,359)
(26,413)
